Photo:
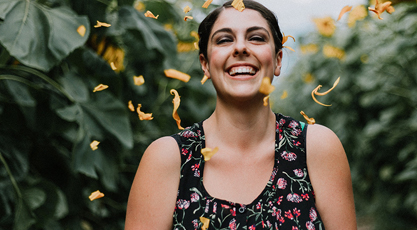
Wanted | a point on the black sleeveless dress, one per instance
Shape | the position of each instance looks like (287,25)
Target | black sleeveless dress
(287,201)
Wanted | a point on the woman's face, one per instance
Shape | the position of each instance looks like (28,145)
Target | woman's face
(240,53)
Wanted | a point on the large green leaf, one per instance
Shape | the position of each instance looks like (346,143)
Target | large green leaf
(38,36)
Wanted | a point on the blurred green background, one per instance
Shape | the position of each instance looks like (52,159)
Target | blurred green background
(49,114)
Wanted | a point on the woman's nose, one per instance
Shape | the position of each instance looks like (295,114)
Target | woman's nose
(240,48)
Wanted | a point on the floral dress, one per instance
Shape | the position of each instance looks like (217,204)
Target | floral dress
(287,201)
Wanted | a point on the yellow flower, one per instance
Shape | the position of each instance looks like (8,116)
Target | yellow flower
(358,13)
(187,9)
(284,94)
(266,87)
(315,92)
(238,5)
(325,26)
(308,78)
(142,115)
(140,6)
(333,52)
(96,195)
(309,48)
(94,145)
(208,153)
(172,73)
(100,88)
(309,120)
(176,101)
(184,47)
(138,80)
(114,55)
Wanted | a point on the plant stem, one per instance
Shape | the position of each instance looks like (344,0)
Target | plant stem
(19,194)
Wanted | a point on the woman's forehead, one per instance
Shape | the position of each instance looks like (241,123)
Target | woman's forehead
(236,20)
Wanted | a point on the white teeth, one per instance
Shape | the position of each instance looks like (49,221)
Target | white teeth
(241,70)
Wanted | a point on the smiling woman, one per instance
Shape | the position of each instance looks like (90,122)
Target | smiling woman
(258,176)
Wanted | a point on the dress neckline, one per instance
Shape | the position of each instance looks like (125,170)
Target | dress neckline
(266,187)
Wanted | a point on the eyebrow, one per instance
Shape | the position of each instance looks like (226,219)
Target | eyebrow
(250,29)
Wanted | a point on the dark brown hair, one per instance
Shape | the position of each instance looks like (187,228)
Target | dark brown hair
(206,25)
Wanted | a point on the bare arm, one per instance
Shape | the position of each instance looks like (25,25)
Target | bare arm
(330,176)
(153,194)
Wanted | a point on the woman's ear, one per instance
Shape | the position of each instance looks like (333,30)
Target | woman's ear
(204,65)
(278,60)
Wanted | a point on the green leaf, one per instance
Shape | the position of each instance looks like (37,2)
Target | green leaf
(23,217)
(38,36)
(34,197)
(75,87)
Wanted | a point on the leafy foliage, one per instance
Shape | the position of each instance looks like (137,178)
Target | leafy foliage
(50,115)
(374,109)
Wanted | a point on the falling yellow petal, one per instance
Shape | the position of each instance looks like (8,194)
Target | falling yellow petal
(138,80)
(284,94)
(187,17)
(100,88)
(380,8)
(266,87)
(94,145)
(130,106)
(172,73)
(208,153)
(309,120)
(187,9)
(149,14)
(205,222)
(113,66)
(289,48)
(207,3)
(176,101)
(81,30)
(315,92)
(343,11)
(238,5)
(142,115)
(100,24)
(266,100)
(285,38)
(96,195)
(205,78)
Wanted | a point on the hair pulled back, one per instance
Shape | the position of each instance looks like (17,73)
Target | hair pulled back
(206,25)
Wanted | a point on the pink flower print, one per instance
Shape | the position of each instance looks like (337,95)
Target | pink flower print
(294,197)
(296,212)
(280,200)
(215,207)
(282,183)
(280,137)
(289,215)
(289,156)
(188,133)
(252,227)
(184,151)
(194,167)
(293,124)
(294,228)
(232,224)
(207,206)
(263,224)
(194,197)
(233,211)
(313,214)
(305,196)
(296,143)
(270,204)
(268,224)
(225,206)
(258,205)
(281,121)
(296,132)
(195,224)
(189,156)
(183,204)
(298,172)
(310,225)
